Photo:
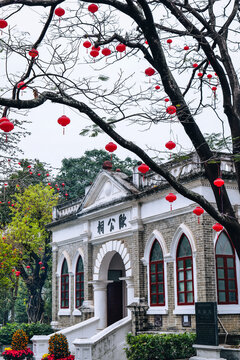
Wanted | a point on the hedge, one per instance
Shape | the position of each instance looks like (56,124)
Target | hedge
(7,331)
(160,346)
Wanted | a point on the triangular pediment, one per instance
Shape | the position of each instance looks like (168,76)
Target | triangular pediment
(104,190)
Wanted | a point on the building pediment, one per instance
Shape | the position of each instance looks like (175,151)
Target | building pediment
(107,187)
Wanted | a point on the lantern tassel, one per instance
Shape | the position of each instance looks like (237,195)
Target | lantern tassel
(198,220)
(6,138)
(63,130)
(170,207)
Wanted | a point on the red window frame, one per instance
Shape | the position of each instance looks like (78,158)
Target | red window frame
(184,281)
(79,293)
(226,279)
(157,293)
(64,288)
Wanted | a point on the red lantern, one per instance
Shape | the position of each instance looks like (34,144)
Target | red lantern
(33,53)
(217,227)
(29,166)
(3,24)
(63,184)
(94,53)
(170,145)
(169,41)
(21,85)
(214,88)
(171,198)
(40,263)
(17,273)
(111,147)
(157,87)
(198,211)
(28,266)
(92,8)
(209,76)
(106,51)
(59,12)
(87,44)
(96,48)
(149,71)
(200,74)
(64,121)
(166,100)
(66,194)
(39,174)
(6,126)
(5,119)
(195,65)
(13,270)
(218,182)
(171,109)
(43,268)
(143,168)
(186,47)
(120,48)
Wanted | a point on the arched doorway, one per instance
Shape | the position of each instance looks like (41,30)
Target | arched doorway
(116,290)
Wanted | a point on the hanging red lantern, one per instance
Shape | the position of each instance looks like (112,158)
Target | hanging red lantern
(171,198)
(87,44)
(170,145)
(217,227)
(58,189)
(186,47)
(64,121)
(106,51)
(59,12)
(171,109)
(169,41)
(6,126)
(5,119)
(120,48)
(21,85)
(28,266)
(94,53)
(66,194)
(111,147)
(43,268)
(143,168)
(39,174)
(157,87)
(200,74)
(209,76)
(17,273)
(214,88)
(96,48)
(166,100)
(33,53)
(93,8)
(40,263)
(198,211)
(13,270)
(195,65)
(3,24)
(29,166)
(149,71)
(218,182)
(63,184)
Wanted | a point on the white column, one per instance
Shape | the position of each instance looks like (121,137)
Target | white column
(100,301)
(130,291)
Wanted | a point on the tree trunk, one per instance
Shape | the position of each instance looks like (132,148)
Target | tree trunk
(35,306)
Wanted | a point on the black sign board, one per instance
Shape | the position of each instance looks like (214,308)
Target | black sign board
(206,323)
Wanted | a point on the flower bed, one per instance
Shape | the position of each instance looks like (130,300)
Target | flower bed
(9,354)
(51,357)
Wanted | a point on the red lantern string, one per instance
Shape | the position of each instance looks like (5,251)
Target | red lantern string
(198,211)
(171,198)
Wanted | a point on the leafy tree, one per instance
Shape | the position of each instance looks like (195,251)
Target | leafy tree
(191,47)
(77,173)
(27,233)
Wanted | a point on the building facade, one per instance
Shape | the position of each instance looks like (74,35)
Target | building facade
(123,250)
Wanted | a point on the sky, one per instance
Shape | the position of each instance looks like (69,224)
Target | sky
(47,142)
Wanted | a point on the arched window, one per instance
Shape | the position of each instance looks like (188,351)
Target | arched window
(157,296)
(64,286)
(226,271)
(79,285)
(185,292)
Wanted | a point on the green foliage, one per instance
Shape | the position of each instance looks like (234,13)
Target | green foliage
(8,260)
(21,304)
(160,346)
(77,173)
(7,331)
(217,142)
(19,340)
(58,346)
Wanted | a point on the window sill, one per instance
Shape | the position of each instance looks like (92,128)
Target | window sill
(184,310)
(228,309)
(157,310)
(64,312)
(76,312)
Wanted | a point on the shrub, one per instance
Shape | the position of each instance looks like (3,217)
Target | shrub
(19,340)
(58,346)
(7,331)
(160,346)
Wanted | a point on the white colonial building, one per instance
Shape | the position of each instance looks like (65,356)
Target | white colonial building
(124,261)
